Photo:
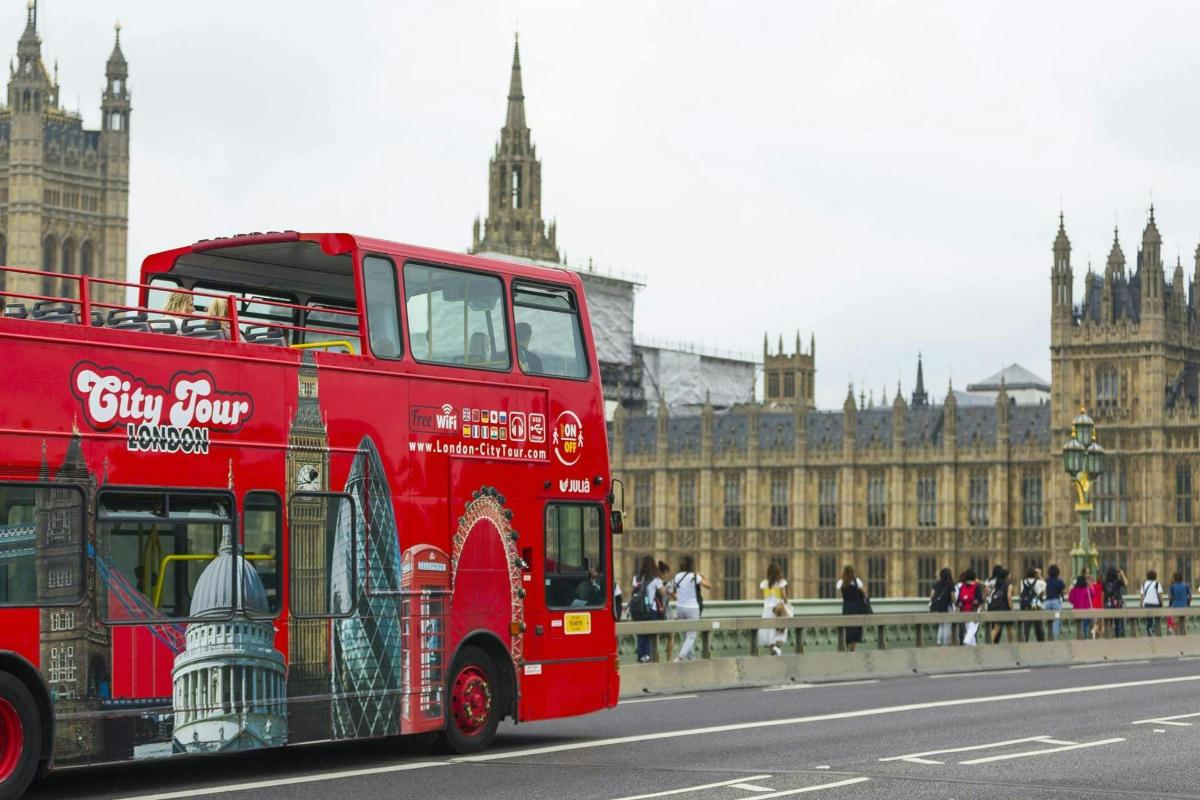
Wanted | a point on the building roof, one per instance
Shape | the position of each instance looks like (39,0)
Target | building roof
(1014,376)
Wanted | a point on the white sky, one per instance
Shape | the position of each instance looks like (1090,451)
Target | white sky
(886,175)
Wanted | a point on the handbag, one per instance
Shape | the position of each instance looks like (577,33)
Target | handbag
(779,609)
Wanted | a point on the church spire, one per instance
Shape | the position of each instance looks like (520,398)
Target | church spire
(516,94)
(920,397)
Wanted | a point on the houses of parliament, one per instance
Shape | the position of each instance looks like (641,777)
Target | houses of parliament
(901,489)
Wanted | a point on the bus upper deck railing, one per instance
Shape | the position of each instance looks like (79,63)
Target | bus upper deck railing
(271,323)
(733,636)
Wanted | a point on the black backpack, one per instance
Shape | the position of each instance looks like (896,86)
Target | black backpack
(999,599)
(639,611)
(943,595)
(1029,595)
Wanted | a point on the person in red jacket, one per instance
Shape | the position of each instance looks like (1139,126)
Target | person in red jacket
(1079,597)
(1097,588)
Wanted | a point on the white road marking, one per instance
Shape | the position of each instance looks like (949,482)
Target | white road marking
(819,787)
(750,787)
(786,686)
(324,776)
(1160,730)
(1188,658)
(1168,720)
(1009,756)
(837,715)
(656,699)
(980,674)
(688,789)
(922,758)
(1109,664)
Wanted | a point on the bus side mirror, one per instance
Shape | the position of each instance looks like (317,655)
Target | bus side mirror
(617,521)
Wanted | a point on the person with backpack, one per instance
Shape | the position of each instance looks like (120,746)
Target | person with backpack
(1151,598)
(646,603)
(1055,589)
(1081,597)
(999,598)
(969,597)
(941,601)
(1033,594)
(775,606)
(689,601)
(1114,597)
(1180,596)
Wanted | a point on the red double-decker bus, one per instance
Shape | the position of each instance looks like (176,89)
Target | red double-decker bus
(297,487)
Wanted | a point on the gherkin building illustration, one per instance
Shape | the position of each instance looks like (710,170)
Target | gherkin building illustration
(365,582)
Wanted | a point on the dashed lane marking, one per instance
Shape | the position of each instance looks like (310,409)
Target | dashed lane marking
(751,787)
(1109,664)
(786,686)
(817,788)
(980,674)
(1169,720)
(923,758)
(1063,749)
(689,789)
(656,699)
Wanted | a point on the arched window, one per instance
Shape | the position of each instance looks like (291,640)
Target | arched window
(68,257)
(49,259)
(516,187)
(85,258)
(1107,387)
(25,101)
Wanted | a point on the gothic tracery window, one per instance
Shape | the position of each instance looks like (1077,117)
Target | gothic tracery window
(1107,387)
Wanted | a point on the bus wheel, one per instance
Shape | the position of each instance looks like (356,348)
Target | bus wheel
(474,710)
(20,737)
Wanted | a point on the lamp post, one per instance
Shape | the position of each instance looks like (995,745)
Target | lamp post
(1083,458)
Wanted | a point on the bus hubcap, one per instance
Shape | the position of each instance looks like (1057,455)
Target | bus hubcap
(472,700)
(12,739)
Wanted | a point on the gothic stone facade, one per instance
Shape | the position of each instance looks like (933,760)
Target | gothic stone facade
(900,492)
(64,190)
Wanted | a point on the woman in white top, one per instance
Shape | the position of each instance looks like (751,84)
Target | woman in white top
(686,587)
(774,590)
(1151,598)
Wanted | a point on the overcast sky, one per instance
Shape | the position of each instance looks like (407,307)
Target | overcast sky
(885,175)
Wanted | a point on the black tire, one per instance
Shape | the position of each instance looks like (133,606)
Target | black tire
(17,706)
(470,666)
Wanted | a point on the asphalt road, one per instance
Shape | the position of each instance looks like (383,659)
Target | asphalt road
(1117,730)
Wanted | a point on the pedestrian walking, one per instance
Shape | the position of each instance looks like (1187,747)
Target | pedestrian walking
(854,601)
(941,601)
(1097,587)
(688,589)
(969,597)
(999,598)
(617,600)
(1180,595)
(775,606)
(1081,597)
(647,603)
(1114,597)
(1055,589)
(1151,593)
(668,594)
(1033,594)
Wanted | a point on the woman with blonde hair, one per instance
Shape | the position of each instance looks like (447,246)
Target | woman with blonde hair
(854,601)
(179,303)
(220,310)
(775,606)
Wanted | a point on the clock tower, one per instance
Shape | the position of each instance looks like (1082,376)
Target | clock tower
(308,639)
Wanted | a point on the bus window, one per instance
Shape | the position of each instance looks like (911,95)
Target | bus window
(155,546)
(262,535)
(549,336)
(456,317)
(574,556)
(41,544)
(334,327)
(161,289)
(383,313)
(321,553)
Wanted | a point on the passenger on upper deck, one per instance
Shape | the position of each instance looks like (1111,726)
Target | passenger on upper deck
(179,303)
(529,361)
(220,309)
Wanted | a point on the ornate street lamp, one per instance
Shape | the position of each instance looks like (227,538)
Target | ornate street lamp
(1083,459)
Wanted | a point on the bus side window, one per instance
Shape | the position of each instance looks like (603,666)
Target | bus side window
(262,537)
(322,569)
(41,544)
(456,317)
(575,562)
(549,336)
(383,313)
(154,548)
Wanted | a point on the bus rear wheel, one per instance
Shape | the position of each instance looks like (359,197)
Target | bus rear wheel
(20,737)
(474,710)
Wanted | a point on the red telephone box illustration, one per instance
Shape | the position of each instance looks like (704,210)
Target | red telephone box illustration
(425,587)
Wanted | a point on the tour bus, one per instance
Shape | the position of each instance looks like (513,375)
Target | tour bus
(295,487)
